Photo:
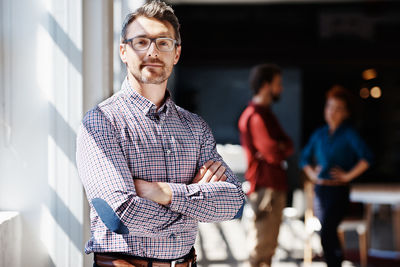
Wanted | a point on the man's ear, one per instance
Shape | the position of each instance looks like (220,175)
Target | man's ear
(122,53)
(177,54)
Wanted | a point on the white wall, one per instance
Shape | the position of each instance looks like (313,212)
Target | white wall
(42,66)
(41,97)
(56,62)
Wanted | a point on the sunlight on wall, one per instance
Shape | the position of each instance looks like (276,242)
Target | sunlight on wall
(44,70)
(51,166)
(48,228)
(59,78)
(52,235)
(44,64)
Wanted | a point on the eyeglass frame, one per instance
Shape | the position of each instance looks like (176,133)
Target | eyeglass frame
(152,40)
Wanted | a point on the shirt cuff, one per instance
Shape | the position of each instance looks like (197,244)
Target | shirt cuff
(182,194)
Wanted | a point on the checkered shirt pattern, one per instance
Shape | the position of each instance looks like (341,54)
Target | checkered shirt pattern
(126,137)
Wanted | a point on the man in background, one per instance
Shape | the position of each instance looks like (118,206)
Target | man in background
(267,147)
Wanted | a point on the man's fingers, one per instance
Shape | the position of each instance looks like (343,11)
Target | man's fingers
(211,171)
(218,174)
(208,164)
(202,171)
(223,178)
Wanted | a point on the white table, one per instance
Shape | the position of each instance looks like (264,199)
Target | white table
(380,194)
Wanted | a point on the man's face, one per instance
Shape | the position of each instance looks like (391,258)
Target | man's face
(276,87)
(149,66)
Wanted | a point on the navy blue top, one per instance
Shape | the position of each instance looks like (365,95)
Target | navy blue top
(344,148)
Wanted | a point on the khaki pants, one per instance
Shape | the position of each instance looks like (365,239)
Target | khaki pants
(267,205)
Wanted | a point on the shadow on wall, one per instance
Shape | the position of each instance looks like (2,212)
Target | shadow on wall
(62,133)
(63,41)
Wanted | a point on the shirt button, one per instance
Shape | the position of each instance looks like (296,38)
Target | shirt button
(168,151)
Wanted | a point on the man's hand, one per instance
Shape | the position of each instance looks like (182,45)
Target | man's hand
(155,191)
(210,172)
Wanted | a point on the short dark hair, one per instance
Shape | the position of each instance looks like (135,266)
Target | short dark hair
(339,92)
(260,74)
(154,9)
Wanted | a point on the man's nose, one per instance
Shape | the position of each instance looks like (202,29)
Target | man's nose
(152,51)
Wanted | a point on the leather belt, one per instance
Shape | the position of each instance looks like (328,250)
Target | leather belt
(121,260)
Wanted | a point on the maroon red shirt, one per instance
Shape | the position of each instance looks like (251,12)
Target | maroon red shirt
(266,146)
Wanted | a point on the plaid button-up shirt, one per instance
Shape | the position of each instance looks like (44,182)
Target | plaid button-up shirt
(126,137)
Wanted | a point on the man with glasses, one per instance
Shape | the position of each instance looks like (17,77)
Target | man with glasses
(150,168)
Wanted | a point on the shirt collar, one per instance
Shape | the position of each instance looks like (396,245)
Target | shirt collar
(144,104)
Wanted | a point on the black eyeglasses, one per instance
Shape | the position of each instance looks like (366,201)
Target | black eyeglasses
(163,44)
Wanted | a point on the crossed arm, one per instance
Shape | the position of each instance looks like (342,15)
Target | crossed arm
(152,209)
(161,192)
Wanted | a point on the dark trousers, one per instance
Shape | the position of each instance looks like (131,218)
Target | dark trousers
(330,206)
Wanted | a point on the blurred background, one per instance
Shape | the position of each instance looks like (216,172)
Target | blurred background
(59,58)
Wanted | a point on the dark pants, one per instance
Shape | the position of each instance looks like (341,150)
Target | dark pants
(330,206)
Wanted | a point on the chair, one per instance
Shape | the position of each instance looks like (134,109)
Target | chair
(359,223)
(311,222)
(294,233)
(358,219)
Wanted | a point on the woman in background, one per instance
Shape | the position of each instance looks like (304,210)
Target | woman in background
(334,156)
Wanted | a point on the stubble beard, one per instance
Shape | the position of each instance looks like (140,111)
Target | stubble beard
(149,76)
(150,79)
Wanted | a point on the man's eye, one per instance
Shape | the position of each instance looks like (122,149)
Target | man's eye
(140,41)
